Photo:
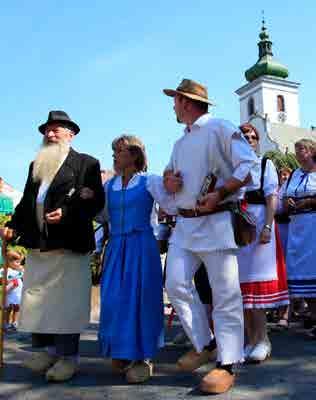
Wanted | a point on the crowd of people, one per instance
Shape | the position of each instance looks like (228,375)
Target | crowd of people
(219,286)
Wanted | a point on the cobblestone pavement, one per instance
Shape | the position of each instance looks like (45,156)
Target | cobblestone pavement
(289,374)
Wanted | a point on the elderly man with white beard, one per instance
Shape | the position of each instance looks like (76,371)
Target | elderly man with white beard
(54,221)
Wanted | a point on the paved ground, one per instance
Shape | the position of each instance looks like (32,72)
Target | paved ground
(290,374)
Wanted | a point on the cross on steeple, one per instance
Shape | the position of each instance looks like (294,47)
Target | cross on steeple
(266,64)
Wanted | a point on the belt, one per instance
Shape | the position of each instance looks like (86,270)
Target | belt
(193,212)
(282,218)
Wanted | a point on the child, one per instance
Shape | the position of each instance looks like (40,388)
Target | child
(14,259)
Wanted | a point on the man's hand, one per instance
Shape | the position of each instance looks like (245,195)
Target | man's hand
(54,217)
(173,181)
(6,234)
(86,193)
(208,202)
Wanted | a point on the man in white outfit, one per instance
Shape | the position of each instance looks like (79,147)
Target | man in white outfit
(204,232)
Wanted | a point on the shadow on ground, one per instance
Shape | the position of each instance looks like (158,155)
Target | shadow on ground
(289,374)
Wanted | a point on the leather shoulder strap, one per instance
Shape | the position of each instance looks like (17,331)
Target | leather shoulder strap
(289,178)
(263,168)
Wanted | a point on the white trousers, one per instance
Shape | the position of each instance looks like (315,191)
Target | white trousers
(222,270)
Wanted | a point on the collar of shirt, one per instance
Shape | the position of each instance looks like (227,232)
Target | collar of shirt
(199,123)
(131,183)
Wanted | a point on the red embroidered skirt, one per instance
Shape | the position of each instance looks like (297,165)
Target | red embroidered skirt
(268,294)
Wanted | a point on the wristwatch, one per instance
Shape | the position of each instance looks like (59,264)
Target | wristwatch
(269,227)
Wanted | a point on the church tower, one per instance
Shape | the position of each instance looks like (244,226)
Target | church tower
(268,93)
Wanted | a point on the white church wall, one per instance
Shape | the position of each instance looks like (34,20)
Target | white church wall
(256,94)
(265,142)
(270,93)
(265,91)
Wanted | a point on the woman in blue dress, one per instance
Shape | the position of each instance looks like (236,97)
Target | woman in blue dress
(299,201)
(131,319)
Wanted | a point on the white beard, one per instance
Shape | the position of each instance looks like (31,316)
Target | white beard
(48,161)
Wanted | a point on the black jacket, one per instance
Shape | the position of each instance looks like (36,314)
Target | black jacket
(75,231)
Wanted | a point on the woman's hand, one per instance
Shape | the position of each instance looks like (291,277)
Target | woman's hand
(86,193)
(289,204)
(173,182)
(265,235)
(303,204)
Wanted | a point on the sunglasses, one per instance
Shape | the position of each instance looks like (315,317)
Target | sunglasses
(251,137)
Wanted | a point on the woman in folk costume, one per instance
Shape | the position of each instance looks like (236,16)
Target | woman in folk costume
(299,200)
(131,319)
(282,218)
(261,264)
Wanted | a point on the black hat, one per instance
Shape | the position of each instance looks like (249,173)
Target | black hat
(59,116)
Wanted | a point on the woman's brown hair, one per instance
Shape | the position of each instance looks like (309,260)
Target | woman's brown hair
(140,157)
(136,148)
(246,128)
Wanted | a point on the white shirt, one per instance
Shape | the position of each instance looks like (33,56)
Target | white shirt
(216,146)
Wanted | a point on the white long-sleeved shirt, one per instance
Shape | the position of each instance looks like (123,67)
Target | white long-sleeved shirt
(211,146)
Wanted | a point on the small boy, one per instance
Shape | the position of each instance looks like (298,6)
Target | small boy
(14,259)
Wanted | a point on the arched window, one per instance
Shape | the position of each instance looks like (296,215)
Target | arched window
(280,103)
(251,106)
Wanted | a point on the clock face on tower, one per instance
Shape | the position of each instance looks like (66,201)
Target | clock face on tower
(282,116)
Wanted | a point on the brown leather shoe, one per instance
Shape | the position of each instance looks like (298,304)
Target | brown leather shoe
(193,360)
(119,366)
(217,381)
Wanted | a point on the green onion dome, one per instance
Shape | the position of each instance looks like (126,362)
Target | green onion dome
(266,64)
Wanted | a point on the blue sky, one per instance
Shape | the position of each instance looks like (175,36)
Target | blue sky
(106,63)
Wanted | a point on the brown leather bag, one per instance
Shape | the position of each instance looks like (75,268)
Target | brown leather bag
(244,226)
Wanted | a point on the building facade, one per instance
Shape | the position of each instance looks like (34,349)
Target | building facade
(270,101)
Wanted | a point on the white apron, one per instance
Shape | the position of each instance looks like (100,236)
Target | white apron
(257,262)
(56,292)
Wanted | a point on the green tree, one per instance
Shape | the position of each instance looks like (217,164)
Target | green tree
(282,160)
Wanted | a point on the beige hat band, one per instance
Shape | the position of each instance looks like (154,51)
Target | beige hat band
(190,89)
(194,91)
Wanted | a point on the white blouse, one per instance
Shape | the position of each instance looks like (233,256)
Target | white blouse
(270,180)
(301,184)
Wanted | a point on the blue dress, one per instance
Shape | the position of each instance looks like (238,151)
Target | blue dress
(131,319)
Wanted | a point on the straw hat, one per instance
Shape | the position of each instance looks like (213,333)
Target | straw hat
(191,89)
